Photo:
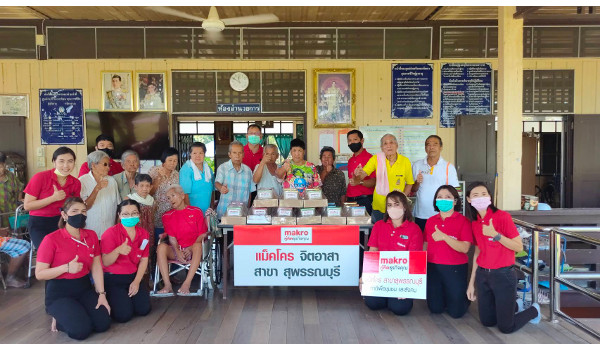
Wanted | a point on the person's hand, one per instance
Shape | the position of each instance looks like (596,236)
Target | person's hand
(102,301)
(180,257)
(420,178)
(359,172)
(287,166)
(354,181)
(471,292)
(124,248)
(438,235)
(74,266)
(264,160)
(162,171)
(209,211)
(103,183)
(224,189)
(488,230)
(58,195)
(134,287)
(187,253)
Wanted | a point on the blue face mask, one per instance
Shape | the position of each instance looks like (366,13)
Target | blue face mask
(444,205)
(254,139)
(130,222)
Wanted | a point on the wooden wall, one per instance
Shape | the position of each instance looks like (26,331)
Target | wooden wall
(373,89)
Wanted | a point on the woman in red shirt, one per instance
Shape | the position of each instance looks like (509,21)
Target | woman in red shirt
(46,192)
(125,249)
(396,232)
(65,259)
(497,240)
(448,238)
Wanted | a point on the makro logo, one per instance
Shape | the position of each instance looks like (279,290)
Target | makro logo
(296,235)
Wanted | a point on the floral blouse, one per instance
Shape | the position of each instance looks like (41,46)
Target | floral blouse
(334,185)
(161,203)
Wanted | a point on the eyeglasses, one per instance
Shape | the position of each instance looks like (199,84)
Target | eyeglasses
(130,215)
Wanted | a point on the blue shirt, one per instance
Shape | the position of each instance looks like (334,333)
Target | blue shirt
(239,184)
(199,191)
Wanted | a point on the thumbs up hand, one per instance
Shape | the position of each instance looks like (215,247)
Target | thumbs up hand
(74,266)
(438,235)
(287,166)
(58,195)
(359,172)
(124,248)
(488,230)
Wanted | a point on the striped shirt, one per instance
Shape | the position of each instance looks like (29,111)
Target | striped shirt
(239,184)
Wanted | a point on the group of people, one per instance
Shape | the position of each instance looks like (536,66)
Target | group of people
(114,224)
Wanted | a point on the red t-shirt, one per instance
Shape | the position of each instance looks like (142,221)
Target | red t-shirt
(59,248)
(406,237)
(40,186)
(456,226)
(125,264)
(252,159)
(493,255)
(114,168)
(359,190)
(185,225)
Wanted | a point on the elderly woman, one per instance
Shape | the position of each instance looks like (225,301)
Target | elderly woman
(100,193)
(126,179)
(393,173)
(163,177)
(299,173)
(265,176)
(197,179)
(186,228)
(334,180)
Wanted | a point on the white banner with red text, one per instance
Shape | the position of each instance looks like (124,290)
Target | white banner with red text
(296,255)
(397,274)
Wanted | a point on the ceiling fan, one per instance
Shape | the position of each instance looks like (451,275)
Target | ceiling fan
(213,23)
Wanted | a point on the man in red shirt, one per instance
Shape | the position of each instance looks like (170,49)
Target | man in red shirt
(106,144)
(360,191)
(253,152)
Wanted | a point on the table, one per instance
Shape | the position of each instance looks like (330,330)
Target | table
(363,229)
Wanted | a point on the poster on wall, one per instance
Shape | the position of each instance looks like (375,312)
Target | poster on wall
(61,116)
(412,91)
(411,138)
(466,90)
(296,255)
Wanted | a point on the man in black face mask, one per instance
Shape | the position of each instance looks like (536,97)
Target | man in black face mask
(360,191)
(106,144)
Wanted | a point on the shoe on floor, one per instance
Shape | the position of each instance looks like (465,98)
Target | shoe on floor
(15,283)
(537,319)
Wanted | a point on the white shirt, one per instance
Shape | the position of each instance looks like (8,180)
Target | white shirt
(432,180)
(103,212)
(269,181)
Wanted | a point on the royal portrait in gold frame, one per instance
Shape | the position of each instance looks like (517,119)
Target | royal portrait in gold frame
(334,98)
(117,91)
(151,91)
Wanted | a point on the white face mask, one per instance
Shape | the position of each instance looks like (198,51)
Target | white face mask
(395,213)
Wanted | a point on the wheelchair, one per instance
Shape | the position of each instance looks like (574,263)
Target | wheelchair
(18,229)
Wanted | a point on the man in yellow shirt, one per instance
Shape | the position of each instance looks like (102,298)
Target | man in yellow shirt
(399,174)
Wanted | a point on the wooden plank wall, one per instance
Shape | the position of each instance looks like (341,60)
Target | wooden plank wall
(373,89)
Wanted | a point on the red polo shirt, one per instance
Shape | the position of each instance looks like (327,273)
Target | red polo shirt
(125,264)
(493,255)
(252,159)
(114,169)
(40,186)
(406,237)
(59,248)
(359,190)
(456,226)
(185,225)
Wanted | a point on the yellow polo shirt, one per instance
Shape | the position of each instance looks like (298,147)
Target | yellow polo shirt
(399,175)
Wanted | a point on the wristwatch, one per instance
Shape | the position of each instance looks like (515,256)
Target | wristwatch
(497,238)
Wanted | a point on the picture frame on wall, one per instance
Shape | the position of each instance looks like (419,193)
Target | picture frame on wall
(334,98)
(14,105)
(117,91)
(151,91)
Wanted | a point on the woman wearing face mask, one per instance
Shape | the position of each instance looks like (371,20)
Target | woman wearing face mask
(396,232)
(497,240)
(46,192)
(65,259)
(125,252)
(448,238)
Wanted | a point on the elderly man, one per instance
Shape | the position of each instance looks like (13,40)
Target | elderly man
(234,179)
(265,175)
(430,173)
(126,179)
(393,172)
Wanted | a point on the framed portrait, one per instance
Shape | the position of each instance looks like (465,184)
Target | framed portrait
(334,97)
(117,91)
(14,105)
(151,91)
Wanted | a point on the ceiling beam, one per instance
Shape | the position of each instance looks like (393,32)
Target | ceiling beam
(523,10)
(36,12)
(436,10)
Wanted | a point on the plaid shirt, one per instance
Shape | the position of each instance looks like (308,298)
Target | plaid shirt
(239,184)
(10,188)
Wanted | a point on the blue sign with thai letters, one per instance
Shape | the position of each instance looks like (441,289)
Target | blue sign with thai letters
(61,116)
(466,90)
(238,108)
(412,91)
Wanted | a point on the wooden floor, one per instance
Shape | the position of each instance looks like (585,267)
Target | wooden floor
(273,315)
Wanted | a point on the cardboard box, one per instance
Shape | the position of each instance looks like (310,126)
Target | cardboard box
(266,203)
(333,220)
(233,220)
(283,220)
(315,203)
(258,220)
(309,220)
(358,220)
(292,203)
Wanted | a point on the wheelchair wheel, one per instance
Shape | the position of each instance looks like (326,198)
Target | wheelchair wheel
(217,265)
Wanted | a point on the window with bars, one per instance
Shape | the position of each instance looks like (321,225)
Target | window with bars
(408,43)
(283,91)
(555,41)
(120,42)
(71,43)
(312,43)
(194,91)
(265,43)
(590,42)
(224,45)
(459,42)
(357,43)
(169,42)
(17,43)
